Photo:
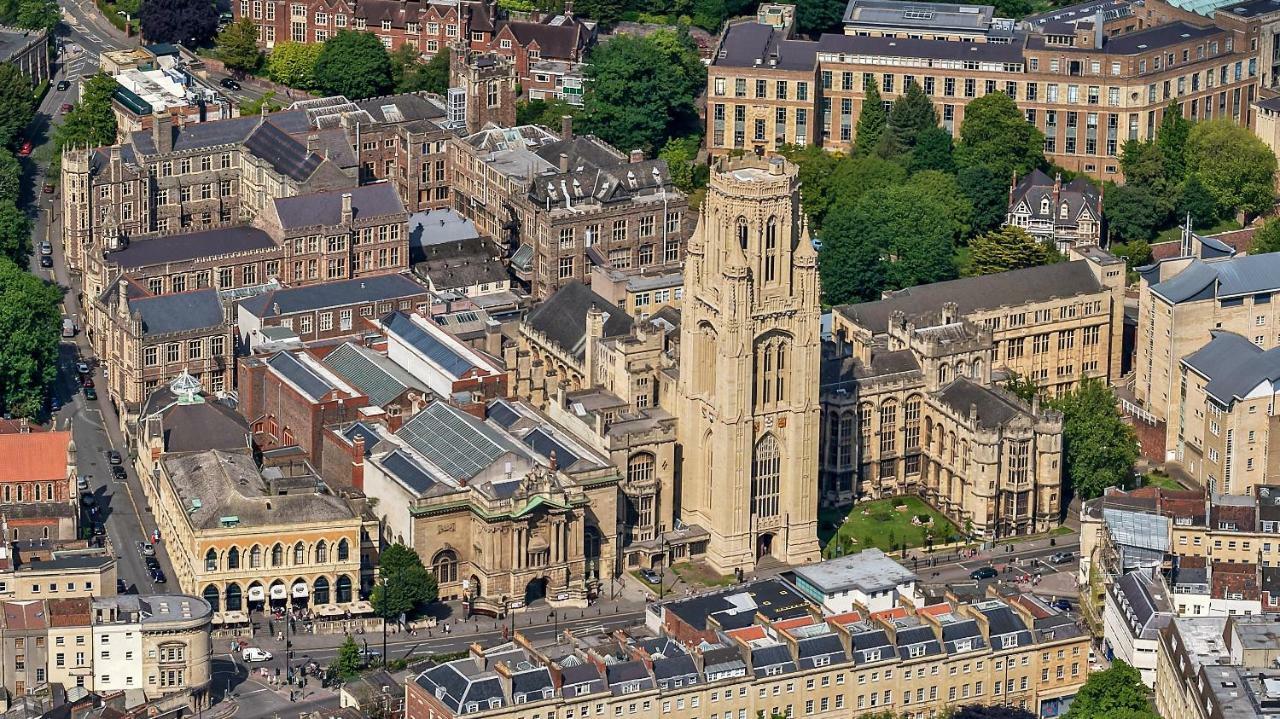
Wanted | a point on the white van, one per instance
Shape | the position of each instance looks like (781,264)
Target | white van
(68,327)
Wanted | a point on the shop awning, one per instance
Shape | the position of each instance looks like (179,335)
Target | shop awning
(257,594)
(300,589)
(278,591)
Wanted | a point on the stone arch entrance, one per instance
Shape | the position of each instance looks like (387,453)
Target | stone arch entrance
(535,590)
(764,546)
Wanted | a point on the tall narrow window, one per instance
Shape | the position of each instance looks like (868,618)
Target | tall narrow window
(771,250)
(742,233)
(765,482)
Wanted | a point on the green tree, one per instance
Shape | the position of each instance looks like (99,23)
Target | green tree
(946,190)
(348,662)
(192,22)
(1115,692)
(996,134)
(237,46)
(1022,386)
(826,178)
(988,194)
(1171,140)
(1266,238)
(1132,212)
(1099,447)
(91,122)
(1194,200)
(1143,163)
(681,155)
(38,14)
(15,233)
(1135,253)
(640,90)
(1235,166)
(912,114)
(605,12)
(849,263)
(818,16)
(933,151)
(431,76)
(404,585)
(10,177)
(1009,248)
(32,321)
(294,64)
(873,122)
(354,64)
(266,103)
(17,103)
(545,112)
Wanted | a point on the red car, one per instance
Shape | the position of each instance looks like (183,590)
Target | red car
(87,381)
(24,150)
(66,107)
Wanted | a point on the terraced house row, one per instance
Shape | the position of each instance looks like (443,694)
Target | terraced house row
(1088,80)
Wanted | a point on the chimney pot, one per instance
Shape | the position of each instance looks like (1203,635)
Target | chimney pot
(637,156)
(566,127)
(564,162)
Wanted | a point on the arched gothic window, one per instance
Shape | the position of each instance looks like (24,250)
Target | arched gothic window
(766,468)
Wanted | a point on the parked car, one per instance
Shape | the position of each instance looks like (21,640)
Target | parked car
(1062,557)
(146,550)
(46,248)
(87,381)
(254,654)
(1062,604)
(90,393)
(114,457)
(157,576)
(55,404)
(82,483)
(983,573)
(82,368)
(650,576)
(151,562)
(47,188)
(118,472)
(63,85)
(122,587)
(46,261)
(87,499)
(99,529)
(230,84)
(24,150)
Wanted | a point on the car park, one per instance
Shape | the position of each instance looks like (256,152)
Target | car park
(254,654)
(983,573)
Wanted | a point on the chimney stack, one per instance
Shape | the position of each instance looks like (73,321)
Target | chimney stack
(566,127)
(346,208)
(357,462)
(162,132)
(564,162)
(637,156)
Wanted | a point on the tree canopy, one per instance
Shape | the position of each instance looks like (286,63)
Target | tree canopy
(354,64)
(1132,212)
(1237,169)
(933,151)
(995,134)
(237,46)
(1116,693)
(192,22)
(1009,248)
(17,103)
(38,14)
(409,74)
(873,123)
(15,233)
(294,64)
(988,193)
(1171,141)
(404,584)
(1099,447)
(814,17)
(10,177)
(348,662)
(91,122)
(29,355)
(912,114)
(1266,238)
(632,106)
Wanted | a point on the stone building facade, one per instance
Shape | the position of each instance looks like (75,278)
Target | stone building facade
(750,352)
(558,195)
(1088,87)
(916,411)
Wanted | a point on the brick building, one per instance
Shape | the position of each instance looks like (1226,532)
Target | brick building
(560,194)
(37,486)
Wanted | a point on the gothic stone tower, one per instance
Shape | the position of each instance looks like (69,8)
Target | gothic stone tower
(750,347)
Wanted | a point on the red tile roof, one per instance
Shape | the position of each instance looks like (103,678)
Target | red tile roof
(37,456)
(24,615)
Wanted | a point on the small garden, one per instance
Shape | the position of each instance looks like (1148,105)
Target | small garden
(1160,479)
(889,524)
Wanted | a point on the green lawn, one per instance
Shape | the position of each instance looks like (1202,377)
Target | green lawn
(884,524)
(1160,479)
(1175,233)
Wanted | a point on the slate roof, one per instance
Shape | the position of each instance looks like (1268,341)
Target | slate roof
(675,667)
(325,208)
(562,317)
(190,245)
(1234,277)
(1036,186)
(771,659)
(285,154)
(312,383)
(994,409)
(533,683)
(211,424)
(625,673)
(181,312)
(457,684)
(199,135)
(461,264)
(1145,604)
(813,649)
(1234,366)
(376,376)
(580,680)
(407,107)
(745,43)
(971,294)
(378,288)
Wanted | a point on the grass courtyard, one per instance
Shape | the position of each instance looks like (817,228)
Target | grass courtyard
(886,524)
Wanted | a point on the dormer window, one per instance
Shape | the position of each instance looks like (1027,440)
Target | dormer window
(519,698)
(1009,640)
(495,703)
(472,707)
(916,650)
(1063,211)
(872,655)
(1044,206)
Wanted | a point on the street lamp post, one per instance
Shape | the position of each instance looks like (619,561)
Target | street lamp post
(556,618)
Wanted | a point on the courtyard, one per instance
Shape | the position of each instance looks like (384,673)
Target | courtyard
(888,524)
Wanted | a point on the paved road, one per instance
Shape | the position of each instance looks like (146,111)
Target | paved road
(92,422)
